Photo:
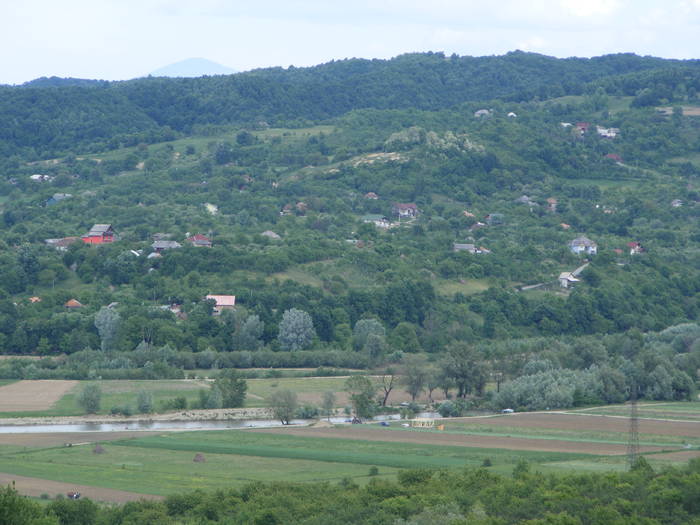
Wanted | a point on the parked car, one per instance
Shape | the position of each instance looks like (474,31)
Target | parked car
(507,411)
(73,495)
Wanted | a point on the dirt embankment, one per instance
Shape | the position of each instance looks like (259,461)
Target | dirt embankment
(222,414)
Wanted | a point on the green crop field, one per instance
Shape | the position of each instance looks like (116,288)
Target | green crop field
(164,464)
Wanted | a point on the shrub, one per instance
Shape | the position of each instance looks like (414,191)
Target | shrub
(90,398)
(144,402)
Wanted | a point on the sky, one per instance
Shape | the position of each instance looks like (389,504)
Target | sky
(122,39)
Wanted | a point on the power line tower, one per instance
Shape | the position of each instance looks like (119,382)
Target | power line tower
(633,437)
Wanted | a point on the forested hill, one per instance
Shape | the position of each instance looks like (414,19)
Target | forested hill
(52,116)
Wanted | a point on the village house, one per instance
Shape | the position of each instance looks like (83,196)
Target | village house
(371,196)
(35,299)
(635,248)
(567,279)
(565,226)
(222,302)
(99,234)
(405,210)
(512,115)
(467,213)
(73,304)
(57,197)
(608,133)
(378,220)
(526,200)
(552,205)
(583,245)
(469,248)
(482,113)
(676,203)
(582,127)
(61,244)
(614,157)
(199,241)
(38,177)
(477,226)
(160,246)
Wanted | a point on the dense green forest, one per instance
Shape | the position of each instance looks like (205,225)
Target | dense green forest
(291,173)
(473,496)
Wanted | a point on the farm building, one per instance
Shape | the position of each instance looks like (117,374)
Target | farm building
(99,234)
(222,302)
(583,245)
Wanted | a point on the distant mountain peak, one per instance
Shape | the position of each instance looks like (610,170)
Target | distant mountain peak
(192,67)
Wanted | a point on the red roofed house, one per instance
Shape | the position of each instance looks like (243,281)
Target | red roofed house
(73,303)
(199,240)
(404,210)
(99,234)
(371,195)
(223,302)
(582,127)
(635,247)
(614,157)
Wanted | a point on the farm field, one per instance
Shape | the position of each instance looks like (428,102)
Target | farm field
(33,395)
(681,411)
(114,393)
(163,463)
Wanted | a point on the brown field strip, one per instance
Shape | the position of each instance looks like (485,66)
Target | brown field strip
(366,433)
(680,456)
(36,487)
(33,395)
(586,422)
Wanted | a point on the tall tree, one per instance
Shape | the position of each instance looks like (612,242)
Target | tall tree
(296,330)
(107,322)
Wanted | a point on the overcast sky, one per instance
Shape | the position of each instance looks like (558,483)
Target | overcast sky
(121,39)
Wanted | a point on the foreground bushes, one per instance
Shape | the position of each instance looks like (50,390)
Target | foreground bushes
(418,496)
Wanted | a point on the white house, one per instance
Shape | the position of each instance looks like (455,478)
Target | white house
(566,279)
(583,245)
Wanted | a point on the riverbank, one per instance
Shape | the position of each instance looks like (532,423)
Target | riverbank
(222,414)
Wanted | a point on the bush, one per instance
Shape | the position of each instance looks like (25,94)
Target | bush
(373,471)
(90,398)
(176,403)
(307,412)
(121,410)
(144,402)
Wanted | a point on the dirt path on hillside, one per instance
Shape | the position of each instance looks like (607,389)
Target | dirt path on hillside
(35,487)
(38,394)
(368,433)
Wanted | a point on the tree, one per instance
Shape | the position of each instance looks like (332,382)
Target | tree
(363,329)
(362,391)
(250,333)
(328,403)
(463,367)
(283,404)
(19,510)
(387,384)
(296,330)
(107,322)
(233,388)
(90,398)
(416,375)
(144,402)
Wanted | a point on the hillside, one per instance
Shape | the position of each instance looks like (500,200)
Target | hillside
(499,163)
